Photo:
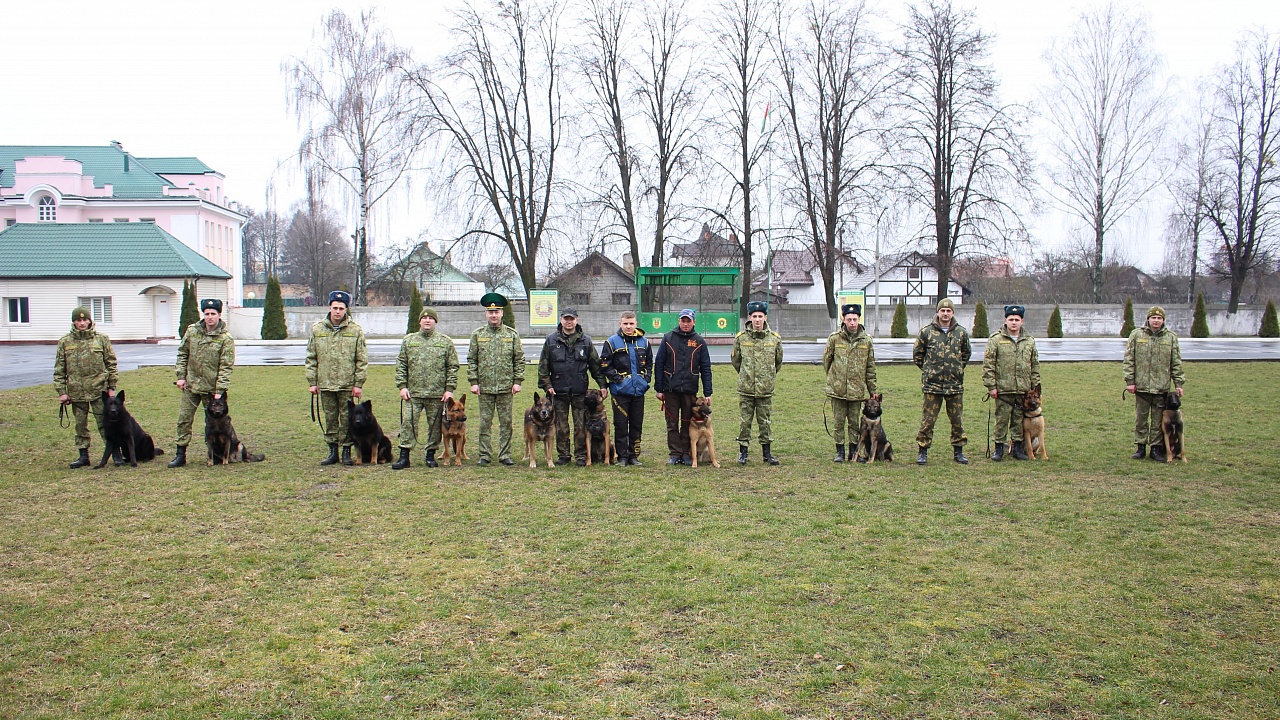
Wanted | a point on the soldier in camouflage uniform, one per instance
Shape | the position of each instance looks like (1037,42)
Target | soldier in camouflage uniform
(757,356)
(1010,368)
(1152,364)
(206,357)
(337,366)
(495,371)
(83,368)
(850,364)
(427,375)
(941,351)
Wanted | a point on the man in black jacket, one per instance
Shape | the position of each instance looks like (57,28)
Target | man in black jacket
(682,360)
(567,356)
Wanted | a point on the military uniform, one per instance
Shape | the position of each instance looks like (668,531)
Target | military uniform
(850,364)
(495,363)
(205,360)
(564,365)
(337,362)
(1153,365)
(83,368)
(941,354)
(757,357)
(427,367)
(1010,366)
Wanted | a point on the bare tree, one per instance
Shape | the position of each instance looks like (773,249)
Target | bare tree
(1188,185)
(263,237)
(495,102)
(1108,118)
(1244,194)
(834,77)
(314,251)
(360,126)
(963,153)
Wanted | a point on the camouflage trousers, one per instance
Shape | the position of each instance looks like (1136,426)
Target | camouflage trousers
(333,408)
(761,410)
(187,407)
(848,413)
(564,404)
(499,403)
(430,409)
(81,411)
(628,424)
(1147,430)
(955,413)
(1008,417)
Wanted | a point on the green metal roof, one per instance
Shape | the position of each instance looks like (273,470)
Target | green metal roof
(686,275)
(106,164)
(99,250)
(177,165)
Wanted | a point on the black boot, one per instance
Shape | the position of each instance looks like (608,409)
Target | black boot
(401,462)
(923,456)
(1157,453)
(179,457)
(430,460)
(333,455)
(742,454)
(768,456)
(117,456)
(1140,453)
(1019,450)
(81,461)
(998,455)
(839,453)
(958,455)
(346,456)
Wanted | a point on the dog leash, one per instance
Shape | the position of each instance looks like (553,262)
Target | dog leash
(317,414)
(825,426)
(64,421)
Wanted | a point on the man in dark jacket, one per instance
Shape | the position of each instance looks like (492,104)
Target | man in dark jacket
(682,360)
(941,352)
(628,364)
(568,356)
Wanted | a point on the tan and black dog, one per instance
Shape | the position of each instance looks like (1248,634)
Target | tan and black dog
(702,437)
(1171,427)
(539,427)
(219,435)
(369,445)
(873,444)
(599,443)
(453,430)
(1033,424)
(123,433)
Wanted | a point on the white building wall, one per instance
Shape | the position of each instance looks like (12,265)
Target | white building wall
(133,314)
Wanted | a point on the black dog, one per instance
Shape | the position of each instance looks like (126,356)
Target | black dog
(220,436)
(124,433)
(371,445)
(599,445)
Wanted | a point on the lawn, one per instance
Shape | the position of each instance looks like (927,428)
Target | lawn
(1087,586)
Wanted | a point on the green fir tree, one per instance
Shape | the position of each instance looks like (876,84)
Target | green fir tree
(1270,328)
(190,314)
(899,329)
(980,328)
(509,315)
(415,311)
(273,324)
(1200,326)
(1055,323)
(1128,327)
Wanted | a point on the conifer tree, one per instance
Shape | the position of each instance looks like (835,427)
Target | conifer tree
(1200,326)
(190,313)
(1128,327)
(980,328)
(273,324)
(900,322)
(1055,323)
(415,311)
(1270,327)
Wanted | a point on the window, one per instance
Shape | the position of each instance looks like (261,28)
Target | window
(622,298)
(95,219)
(119,219)
(580,298)
(913,273)
(10,222)
(48,209)
(100,307)
(17,310)
(597,271)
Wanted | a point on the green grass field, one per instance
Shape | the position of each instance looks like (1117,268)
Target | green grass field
(1087,586)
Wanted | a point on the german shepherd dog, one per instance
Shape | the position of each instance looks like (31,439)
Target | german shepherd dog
(873,443)
(539,426)
(220,436)
(124,433)
(599,444)
(702,437)
(1033,424)
(1171,426)
(369,444)
(453,429)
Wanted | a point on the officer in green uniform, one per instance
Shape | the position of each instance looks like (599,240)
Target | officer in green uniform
(337,366)
(941,351)
(1152,364)
(1010,367)
(850,364)
(427,375)
(206,357)
(495,371)
(83,368)
(757,356)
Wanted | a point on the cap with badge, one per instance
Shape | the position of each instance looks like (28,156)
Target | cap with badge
(340,296)
(758,306)
(429,312)
(211,304)
(1019,310)
(493,301)
(688,313)
(946,304)
(1156,311)
(81,313)
(851,309)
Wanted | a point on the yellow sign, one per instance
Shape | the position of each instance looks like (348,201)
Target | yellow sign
(543,308)
(852,297)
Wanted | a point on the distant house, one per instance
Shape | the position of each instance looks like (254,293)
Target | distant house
(129,275)
(596,281)
(797,279)
(909,277)
(437,279)
(708,250)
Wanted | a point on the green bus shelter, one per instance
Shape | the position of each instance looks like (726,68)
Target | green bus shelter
(712,291)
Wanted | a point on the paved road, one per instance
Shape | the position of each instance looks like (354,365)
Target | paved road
(27,365)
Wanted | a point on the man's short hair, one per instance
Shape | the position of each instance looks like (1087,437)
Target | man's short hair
(628,314)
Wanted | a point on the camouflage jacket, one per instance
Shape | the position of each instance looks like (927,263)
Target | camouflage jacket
(205,359)
(1011,366)
(337,358)
(850,363)
(757,356)
(495,359)
(941,357)
(427,364)
(85,365)
(1153,360)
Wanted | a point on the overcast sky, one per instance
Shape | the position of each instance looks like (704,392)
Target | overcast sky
(205,79)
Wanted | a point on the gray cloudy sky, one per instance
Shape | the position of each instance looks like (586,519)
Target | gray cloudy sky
(205,79)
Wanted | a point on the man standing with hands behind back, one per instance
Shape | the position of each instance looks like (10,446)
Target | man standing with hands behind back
(941,352)
(337,366)
(1152,365)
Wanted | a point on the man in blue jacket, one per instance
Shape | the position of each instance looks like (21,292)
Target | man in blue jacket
(682,360)
(628,365)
